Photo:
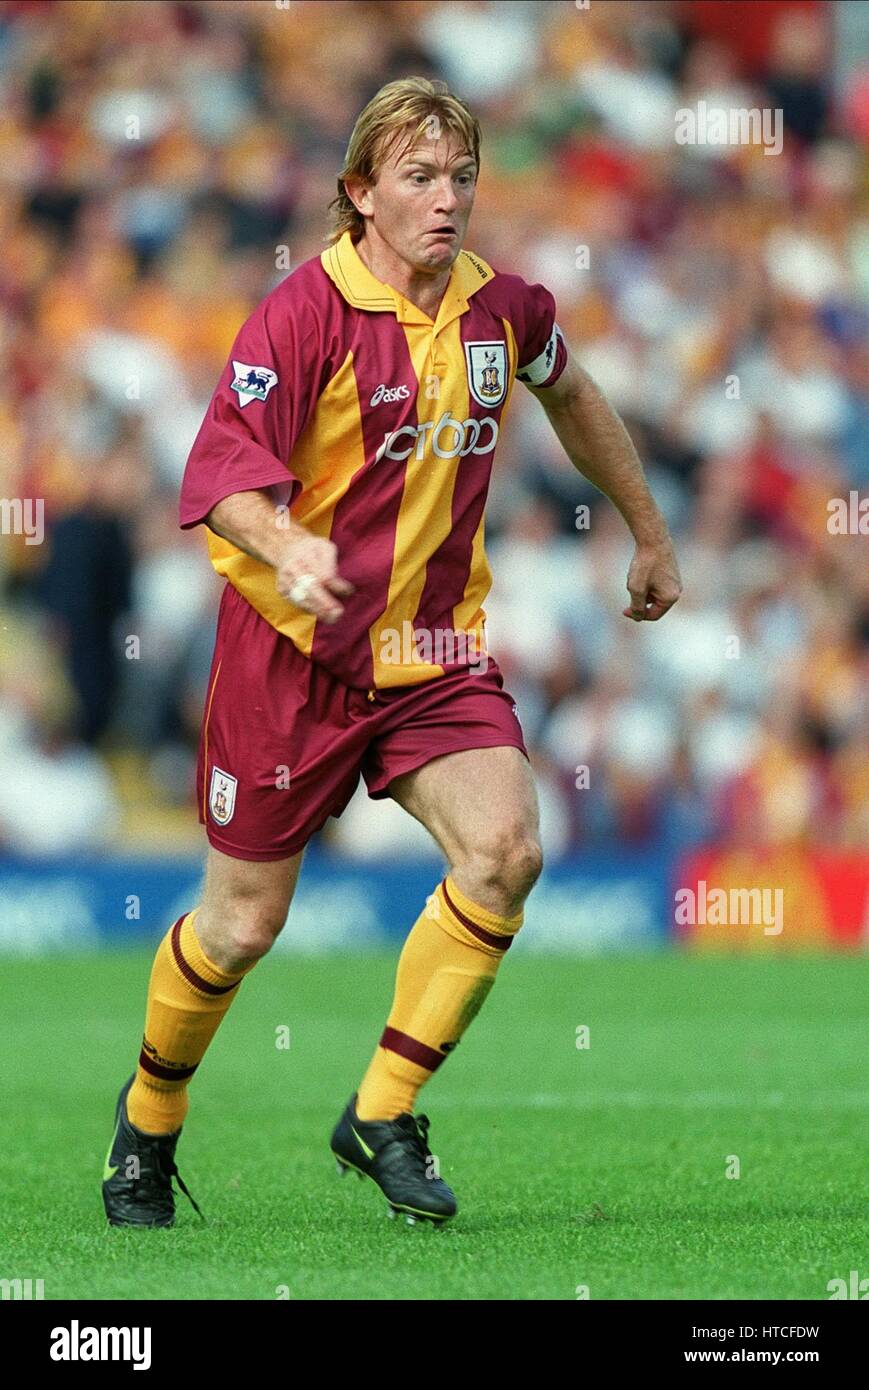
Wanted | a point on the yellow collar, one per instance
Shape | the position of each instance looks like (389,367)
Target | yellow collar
(343,264)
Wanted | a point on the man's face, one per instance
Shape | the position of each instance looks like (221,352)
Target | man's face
(422,200)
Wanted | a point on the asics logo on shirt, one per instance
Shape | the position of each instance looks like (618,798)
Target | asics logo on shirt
(389,393)
(446,438)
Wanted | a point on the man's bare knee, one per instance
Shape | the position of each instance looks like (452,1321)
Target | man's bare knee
(251,927)
(501,871)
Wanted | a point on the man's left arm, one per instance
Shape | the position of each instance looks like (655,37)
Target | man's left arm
(599,446)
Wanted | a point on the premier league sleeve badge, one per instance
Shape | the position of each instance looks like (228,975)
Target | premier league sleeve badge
(252,383)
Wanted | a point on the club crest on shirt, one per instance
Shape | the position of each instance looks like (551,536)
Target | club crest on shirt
(252,383)
(221,800)
(487,371)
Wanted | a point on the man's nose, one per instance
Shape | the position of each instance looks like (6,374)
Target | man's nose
(446,196)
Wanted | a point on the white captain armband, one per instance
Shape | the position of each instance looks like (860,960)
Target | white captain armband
(538,372)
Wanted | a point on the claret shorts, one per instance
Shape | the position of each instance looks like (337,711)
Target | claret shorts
(283,741)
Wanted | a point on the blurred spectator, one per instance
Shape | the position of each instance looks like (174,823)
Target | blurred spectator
(85,587)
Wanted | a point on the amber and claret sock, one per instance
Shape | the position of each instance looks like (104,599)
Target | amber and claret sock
(446,969)
(188,995)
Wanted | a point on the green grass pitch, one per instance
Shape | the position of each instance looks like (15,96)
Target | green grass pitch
(602,1167)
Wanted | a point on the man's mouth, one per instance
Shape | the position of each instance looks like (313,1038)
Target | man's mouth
(446,230)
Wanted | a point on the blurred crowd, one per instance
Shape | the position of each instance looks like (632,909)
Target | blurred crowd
(154,156)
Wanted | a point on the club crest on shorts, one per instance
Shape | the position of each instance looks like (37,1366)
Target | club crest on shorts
(487,371)
(221,801)
(252,383)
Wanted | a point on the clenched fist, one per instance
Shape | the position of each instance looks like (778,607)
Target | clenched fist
(654,583)
(307,575)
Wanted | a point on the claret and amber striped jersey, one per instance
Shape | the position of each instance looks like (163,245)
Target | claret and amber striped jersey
(375,427)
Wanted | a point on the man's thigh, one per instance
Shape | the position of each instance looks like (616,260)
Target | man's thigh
(464,710)
(244,901)
(479,801)
(281,741)
(229,880)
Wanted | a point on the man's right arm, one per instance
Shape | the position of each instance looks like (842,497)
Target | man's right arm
(262,403)
(251,521)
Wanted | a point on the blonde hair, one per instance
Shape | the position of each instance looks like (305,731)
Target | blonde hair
(408,104)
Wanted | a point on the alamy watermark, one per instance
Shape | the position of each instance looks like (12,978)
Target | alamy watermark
(440,646)
(854,1287)
(848,517)
(77,1343)
(15,1289)
(735,125)
(23,516)
(734,907)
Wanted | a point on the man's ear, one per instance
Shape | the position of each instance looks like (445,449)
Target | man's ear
(357,191)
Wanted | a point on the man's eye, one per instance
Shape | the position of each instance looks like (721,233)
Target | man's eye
(463,178)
